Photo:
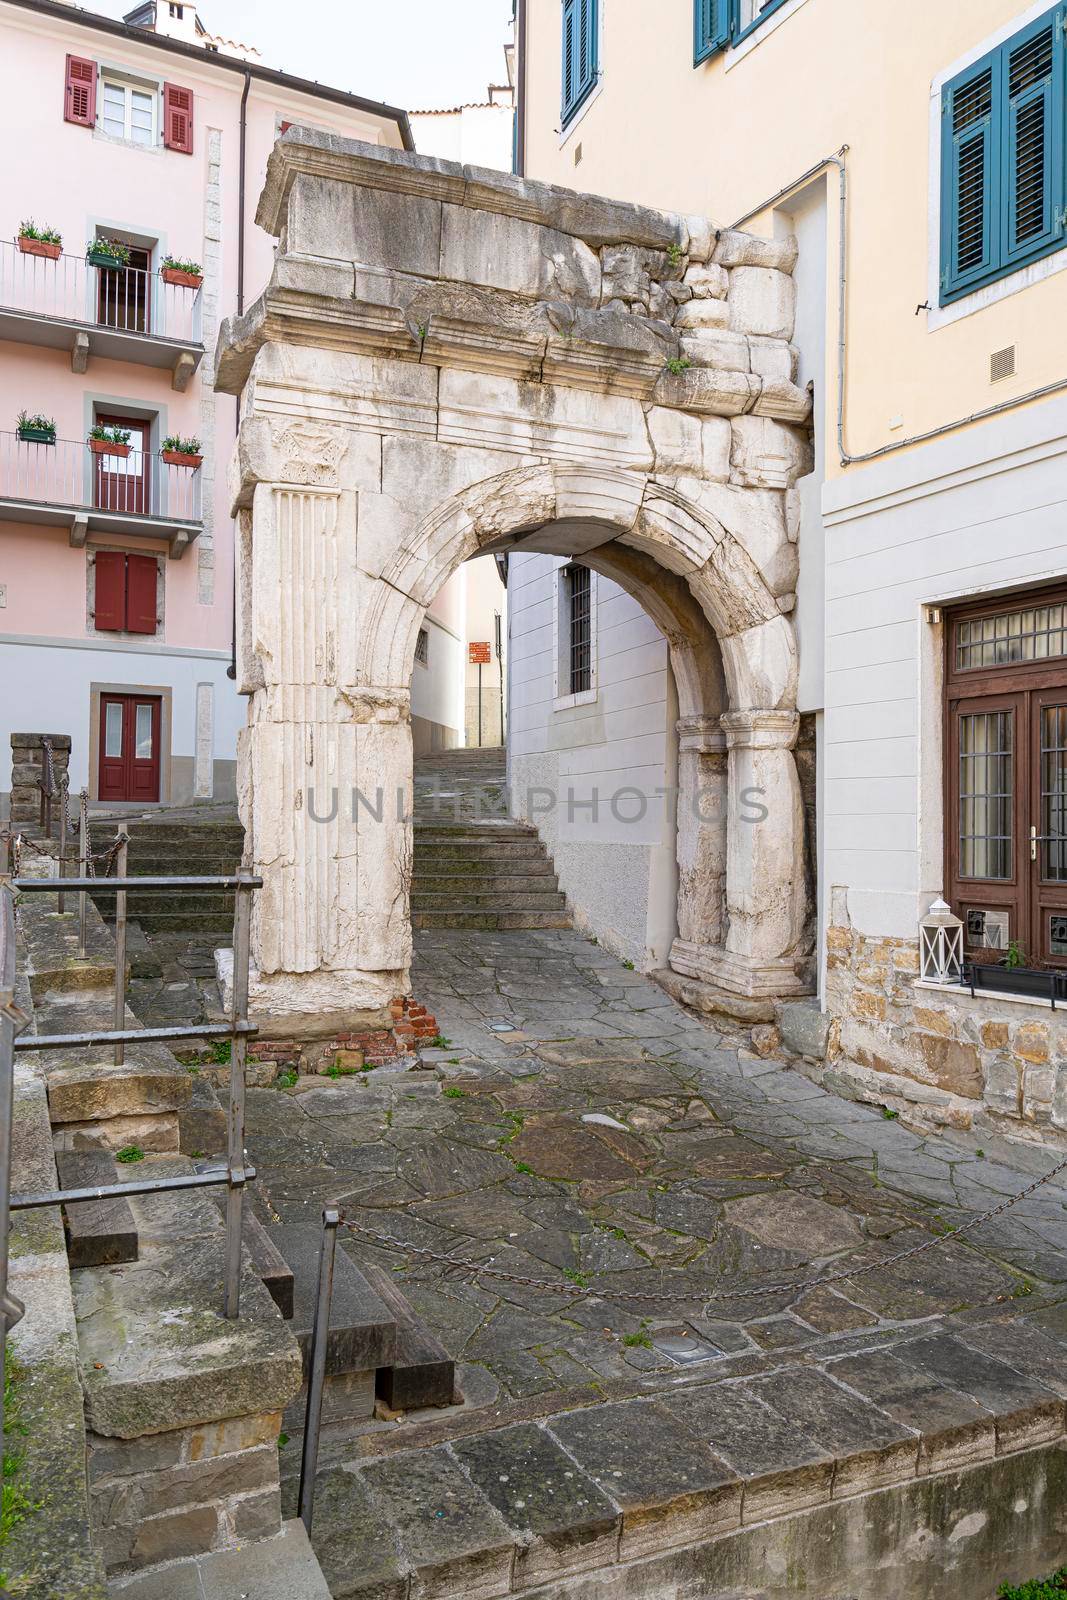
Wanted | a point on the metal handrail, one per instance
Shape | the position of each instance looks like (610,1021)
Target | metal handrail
(129,300)
(235,1174)
(69,473)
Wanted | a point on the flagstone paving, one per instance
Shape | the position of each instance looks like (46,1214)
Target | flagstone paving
(609,1139)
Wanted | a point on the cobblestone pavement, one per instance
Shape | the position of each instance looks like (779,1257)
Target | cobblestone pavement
(580,1128)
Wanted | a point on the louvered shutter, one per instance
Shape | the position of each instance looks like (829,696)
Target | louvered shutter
(178,118)
(1032,85)
(712,20)
(110,604)
(140,594)
(970,179)
(580,42)
(79,103)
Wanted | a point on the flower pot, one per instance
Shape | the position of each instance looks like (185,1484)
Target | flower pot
(40,247)
(102,258)
(183,280)
(1035,982)
(104,447)
(37,435)
(179,458)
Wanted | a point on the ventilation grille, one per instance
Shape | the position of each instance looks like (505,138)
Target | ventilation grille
(1002,364)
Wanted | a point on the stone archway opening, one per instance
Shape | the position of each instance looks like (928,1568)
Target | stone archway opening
(444,365)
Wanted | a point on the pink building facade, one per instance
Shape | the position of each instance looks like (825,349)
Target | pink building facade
(116,555)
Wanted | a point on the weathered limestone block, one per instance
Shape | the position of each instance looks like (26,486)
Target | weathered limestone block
(626,273)
(95,1093)
(685,443)
(717,347)
(505,252)
(767,455)
(707,282)
(765,890)
(762,301)
(733,249)
(703,314)
(702,237)
(707,391)
(773,359)
(784,401)
(373,227)
(527,419)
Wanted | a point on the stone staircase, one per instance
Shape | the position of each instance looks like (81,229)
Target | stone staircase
(474,867)
(195,842)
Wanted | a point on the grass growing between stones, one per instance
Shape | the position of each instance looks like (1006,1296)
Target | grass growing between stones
(1037,1588)
(129,1153)
(15,1503)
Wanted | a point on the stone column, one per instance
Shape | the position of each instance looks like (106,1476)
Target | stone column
(764,865)
(324,770)
(702,805)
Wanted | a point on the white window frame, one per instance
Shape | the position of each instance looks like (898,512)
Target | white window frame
(128,87)
(562,699)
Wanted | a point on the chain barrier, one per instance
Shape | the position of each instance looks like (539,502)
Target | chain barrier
(90,870)
(591,1291)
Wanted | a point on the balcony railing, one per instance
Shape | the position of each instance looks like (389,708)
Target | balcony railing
(78,484)
(127,300)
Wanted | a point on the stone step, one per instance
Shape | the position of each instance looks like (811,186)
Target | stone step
(548,900)
(273,1270)
(430,863)
(100,1233)
(422,1372)
(190,922)
(489,921)
(467,885)
(479,849)
(362,1328)
(145,906)
(282,1568)
(195,864)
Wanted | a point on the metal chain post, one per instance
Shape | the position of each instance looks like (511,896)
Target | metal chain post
(320,1334)
(85,869)
(120,851)
(64,829)
(11,1019)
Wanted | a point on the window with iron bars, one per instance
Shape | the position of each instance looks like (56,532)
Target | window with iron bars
(422,648)
(579,617)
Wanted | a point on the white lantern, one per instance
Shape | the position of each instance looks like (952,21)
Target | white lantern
(941,945)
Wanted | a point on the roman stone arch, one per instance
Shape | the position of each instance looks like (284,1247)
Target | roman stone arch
(449,362)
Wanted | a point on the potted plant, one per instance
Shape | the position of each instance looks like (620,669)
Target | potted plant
(184,274)
(178,452)
(35,241)
(36,429)
(105,441)
(109,253)
(1011,975)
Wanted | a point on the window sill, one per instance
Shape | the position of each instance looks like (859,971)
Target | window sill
(996,995)
(564,702)
(578,114)
(759,30)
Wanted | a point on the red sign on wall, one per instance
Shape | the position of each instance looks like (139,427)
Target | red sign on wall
(480,653)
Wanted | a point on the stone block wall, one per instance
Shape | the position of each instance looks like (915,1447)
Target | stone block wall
(27,772)
(184,1491)
(939,1058)
(411,1026)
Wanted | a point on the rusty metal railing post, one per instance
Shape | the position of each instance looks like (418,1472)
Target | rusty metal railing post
(122,844)
(242,936)
(64,827)
(320,1334)
(83,870)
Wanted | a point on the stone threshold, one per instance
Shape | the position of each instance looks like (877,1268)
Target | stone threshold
(946,1424)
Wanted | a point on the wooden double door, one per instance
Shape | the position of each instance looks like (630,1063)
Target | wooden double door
(130,730)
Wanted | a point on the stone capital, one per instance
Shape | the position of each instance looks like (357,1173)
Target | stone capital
(702,735)
(761,730)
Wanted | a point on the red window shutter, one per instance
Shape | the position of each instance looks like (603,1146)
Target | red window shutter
(178,118)
(140,594)
(111,591)
(80,101)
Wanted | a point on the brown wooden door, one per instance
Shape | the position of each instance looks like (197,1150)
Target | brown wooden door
(130,727)
(121,482)
(987,816)
(124,297)
(1047,845)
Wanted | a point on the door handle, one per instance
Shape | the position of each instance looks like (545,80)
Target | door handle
(1033,844)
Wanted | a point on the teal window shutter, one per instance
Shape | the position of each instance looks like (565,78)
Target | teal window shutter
(1032,74)
(712,26)
(970,179)
(580,52)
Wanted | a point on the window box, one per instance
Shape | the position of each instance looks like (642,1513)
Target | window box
(1031,982)
(31,434)
(182,280)
(108,447)
(181,458)
(40,247)
(112,260)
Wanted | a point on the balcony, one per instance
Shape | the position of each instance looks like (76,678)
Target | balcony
(115,313)
(68,485)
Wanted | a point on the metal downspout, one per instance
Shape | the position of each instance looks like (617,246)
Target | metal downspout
(231,670)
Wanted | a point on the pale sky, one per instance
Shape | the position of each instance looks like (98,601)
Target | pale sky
(417,54)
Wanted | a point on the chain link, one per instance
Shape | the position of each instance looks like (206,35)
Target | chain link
(590,1291)
(90,870)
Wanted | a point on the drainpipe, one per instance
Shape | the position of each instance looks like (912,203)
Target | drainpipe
(846,457)
(520,88)
(231,670)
